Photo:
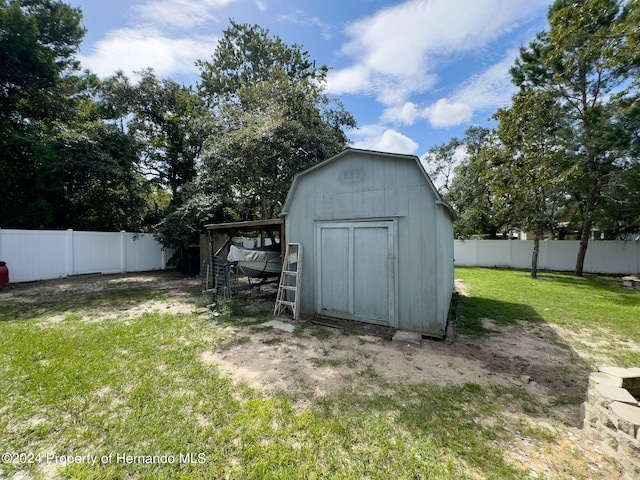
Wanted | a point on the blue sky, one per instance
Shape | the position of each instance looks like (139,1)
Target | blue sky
(414,74)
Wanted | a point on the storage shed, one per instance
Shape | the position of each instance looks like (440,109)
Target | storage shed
(377,240)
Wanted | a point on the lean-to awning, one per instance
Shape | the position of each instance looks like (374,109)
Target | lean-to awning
(233,228)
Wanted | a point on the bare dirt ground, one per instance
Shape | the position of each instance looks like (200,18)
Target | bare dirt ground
(531,368)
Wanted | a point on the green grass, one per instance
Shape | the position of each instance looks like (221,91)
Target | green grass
(595,306)
(116,388)
(139,386)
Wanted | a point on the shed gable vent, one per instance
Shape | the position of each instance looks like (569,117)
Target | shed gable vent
(353,175)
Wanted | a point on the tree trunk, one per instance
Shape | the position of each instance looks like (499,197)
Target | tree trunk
(584,243)
(534,256)
(586,230)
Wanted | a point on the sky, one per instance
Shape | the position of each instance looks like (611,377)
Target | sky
(413,73)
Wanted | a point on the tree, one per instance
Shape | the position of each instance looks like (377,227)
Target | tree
(441,161)
(117,100)
(272,119)
(528,168)
(89,179)
(38,43)
(463,163)
(181,226)
(246,56)
(579,61)
(170,121)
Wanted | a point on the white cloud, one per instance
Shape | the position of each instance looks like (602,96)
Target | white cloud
(486,91)
(405,114)
(130,50)
(490,89)
(353,79)
(446,114)
(392,141)
(161,36)
(178,14)
(377,137)
(397,49)
(299,17)
(262,6)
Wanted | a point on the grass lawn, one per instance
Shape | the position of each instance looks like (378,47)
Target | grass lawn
(128,395)
(604,317)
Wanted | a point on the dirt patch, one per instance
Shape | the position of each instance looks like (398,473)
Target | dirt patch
(530,368)
(167,291)
(325,359)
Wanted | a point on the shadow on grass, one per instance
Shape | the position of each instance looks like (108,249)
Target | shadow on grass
(612,286)
(438,429)
(514,340)
(96,293)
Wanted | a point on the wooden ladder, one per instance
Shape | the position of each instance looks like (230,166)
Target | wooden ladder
(290,281)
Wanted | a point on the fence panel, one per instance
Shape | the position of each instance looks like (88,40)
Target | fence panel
(45,254)
(97,252)
(611,257)
(141,253)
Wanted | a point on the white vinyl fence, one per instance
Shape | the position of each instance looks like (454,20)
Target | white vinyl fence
(612,257)
(45,254)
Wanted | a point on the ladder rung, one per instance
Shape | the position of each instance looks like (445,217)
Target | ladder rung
(290,288)
(284,302)
(289,272)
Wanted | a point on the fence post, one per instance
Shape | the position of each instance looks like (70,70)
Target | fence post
(123,252)
(70,263)
(475,253)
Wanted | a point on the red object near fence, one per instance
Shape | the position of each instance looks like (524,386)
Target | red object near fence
(4,274)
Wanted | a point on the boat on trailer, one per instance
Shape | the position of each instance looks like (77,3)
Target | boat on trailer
(263,262)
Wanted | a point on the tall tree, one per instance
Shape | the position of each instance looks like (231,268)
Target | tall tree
(461,164)
(272,118)
(527,168)
(171,122)
(441,162)
(578,60)
(89,181)
(247,55)
(38,43)
(117,100)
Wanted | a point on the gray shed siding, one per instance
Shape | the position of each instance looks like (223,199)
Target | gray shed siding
(358,186)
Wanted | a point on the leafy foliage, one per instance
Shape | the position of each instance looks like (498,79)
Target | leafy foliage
(528,169)
(272,119)
(582,62)
(567,148)
(462,165)
(38,41)
(170,122)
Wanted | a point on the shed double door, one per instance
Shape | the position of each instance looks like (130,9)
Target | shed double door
(355,267)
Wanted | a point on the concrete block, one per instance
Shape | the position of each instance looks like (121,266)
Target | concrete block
(405,336)
(609,440)
(628,418)
(628,446)
(280,325)
(631,468)
(606,394)
(620,372)
(627,378)
(601,377)
(589,419)
(592,433)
